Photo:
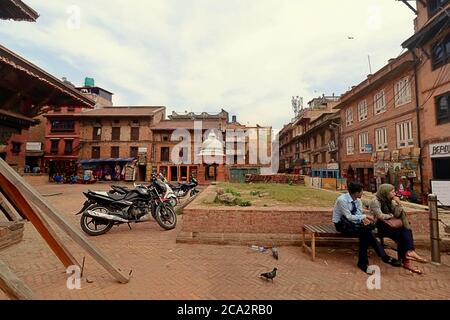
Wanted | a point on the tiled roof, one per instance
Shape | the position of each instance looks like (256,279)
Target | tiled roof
(44,89)
(122,111)
(17,10)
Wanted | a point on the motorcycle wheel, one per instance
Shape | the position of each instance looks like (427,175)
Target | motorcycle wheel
(194,192)
(173,201)
(93,226)
(165,216)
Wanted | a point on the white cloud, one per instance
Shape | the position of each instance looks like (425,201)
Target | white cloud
(248,57)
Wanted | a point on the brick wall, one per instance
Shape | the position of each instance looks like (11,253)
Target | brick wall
(268,220)
(276,178)
(10,233)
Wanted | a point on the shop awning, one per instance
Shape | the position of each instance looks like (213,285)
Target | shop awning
(107,160)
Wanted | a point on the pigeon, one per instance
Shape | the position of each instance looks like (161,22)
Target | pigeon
(270,275)
(275,252)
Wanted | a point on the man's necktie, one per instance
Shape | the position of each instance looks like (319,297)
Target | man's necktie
(353,211)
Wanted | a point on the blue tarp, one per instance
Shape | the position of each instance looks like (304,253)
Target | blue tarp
(107,160)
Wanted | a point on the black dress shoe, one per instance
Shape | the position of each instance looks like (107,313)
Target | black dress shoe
(392,261)
(365,268)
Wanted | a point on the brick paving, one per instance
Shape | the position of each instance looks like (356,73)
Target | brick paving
(164,269)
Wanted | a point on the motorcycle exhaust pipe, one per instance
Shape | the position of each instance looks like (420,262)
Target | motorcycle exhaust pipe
(95,214)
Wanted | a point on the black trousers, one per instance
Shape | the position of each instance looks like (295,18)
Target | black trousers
(402,236)
(366,239)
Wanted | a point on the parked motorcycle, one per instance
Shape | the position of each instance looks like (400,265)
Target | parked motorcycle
(182,189)
(162,187)
(102,210)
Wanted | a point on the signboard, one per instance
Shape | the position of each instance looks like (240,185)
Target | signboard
(329,183)
(316,182)
(142,155)
(333,166)
(441,188)
(440,150)
(34,146)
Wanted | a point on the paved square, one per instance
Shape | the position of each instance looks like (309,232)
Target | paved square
(163,269)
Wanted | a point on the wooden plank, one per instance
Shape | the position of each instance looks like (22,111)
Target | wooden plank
(58,219)
(9,212)
(14,196)
(14,288)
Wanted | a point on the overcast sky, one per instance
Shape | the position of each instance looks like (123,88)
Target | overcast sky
(246,56)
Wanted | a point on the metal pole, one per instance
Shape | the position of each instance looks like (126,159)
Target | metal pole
(434,229)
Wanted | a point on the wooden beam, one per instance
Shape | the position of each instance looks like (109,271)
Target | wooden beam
(52,213)
(7,210)
(409,6)
(12,207)
(13,195)
(14,288)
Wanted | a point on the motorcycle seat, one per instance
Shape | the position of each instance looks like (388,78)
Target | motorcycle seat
(116,196)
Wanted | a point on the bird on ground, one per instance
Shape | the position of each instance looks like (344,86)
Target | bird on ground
(275,252)
(269,275)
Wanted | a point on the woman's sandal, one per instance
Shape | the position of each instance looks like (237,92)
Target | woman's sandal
(412,255)
(407,265)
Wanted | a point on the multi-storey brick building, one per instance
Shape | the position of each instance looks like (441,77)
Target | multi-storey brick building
(62,140)
(287,149)
(176,165)
(379,129)
(114,136)
(430,46)
(306,143)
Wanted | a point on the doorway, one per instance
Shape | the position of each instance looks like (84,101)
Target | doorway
(173,173)
(211,172)
(184,173)
(441,168)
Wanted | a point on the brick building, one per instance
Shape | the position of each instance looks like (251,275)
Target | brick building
(306,143)
(112,136)
(26,149)
(379,128)
(430,46)
(176,165)
(286,149)
(62,140)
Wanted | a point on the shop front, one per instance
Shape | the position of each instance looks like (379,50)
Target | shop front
(109,169)
(401,169)
(440,160)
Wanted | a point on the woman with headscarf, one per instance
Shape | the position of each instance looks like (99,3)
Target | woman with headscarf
(387,206)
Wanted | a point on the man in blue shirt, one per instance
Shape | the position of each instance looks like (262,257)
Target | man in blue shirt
(348,218)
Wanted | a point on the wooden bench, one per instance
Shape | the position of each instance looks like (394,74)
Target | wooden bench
(313,231)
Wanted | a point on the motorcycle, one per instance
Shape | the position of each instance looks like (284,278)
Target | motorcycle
(164,188)
(161,186)
(182,189)
(102,210)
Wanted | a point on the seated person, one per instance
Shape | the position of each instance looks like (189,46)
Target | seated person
(348,218)
(386,206)
(57,178)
